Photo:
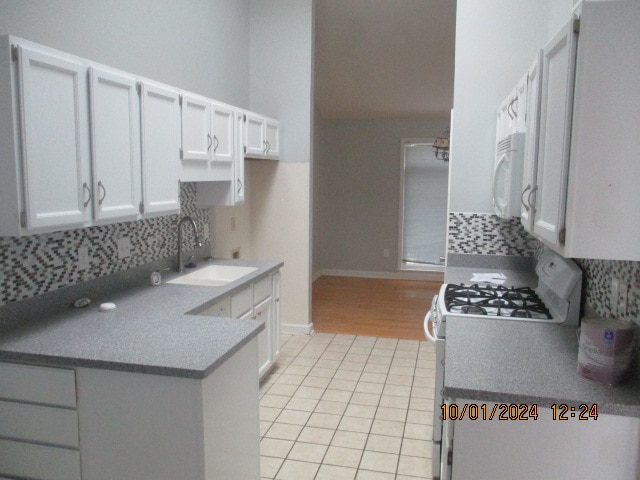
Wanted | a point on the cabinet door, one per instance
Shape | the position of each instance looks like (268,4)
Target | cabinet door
(532,121)
(115,145)
(558,72)
(222,127)
(238,162)
(263,312)
(519,106)
(55,138)
(196,129)
(160,112)
(272,138)
(275,321)
(254,140)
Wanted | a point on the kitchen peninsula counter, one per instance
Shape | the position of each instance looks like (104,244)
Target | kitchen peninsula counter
(154,330)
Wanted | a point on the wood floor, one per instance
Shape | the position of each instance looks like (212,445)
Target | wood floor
(373,307)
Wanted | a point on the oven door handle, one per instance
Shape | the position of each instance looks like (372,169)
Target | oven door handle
(427,321)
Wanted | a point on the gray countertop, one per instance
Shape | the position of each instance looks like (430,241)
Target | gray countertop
(526,362)
(154,330)
(519,362)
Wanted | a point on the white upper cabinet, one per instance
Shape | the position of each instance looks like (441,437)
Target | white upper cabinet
(222,130)
(529,185)
(160,109)
(196,129)
(261,137)
(238,164)
(115,144)
(558,73)
(588,147)
(519,105)
(55,142)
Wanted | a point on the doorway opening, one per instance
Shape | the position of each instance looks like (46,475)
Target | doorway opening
(423,218)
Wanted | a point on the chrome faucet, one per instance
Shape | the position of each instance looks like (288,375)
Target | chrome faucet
(187,218)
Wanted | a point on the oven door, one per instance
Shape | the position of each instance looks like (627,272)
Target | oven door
(430,324)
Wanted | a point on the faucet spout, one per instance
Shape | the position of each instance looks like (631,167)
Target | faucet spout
(183,220)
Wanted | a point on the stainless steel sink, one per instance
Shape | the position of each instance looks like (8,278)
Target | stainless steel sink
(213,275)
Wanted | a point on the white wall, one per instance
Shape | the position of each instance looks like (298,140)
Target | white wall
(496,41)
(357,191)
(197,45)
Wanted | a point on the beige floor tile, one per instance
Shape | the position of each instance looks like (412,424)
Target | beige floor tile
(275,447)
(332,472)
(343,457)
(336,395)
(384,443)
(426,382)
(421,404)
(347,374)
(321,436)
(333,355)
(376,368)
(361,350)
(389,343)
(335,364)
(365,398)
(284,390)
(405,380)
(417,431)
(349,439)
(387,427)
(304,361)
(322,372)
(264,427)
(425,372)
(309,392)
(288,379)
(413,355)
(422,392)
(307,452)
(269,414)
(354,424)
(297,370)
(269,466)
(373,377)
(403,362)
(369,475)
(367,387)
(277,401)
(304,404)
(296,417)
(336,408)
(297,470)
(393,401)
(337,384)
(379,360)
(413,466)
(416,448)
(362,411)
(422,417)
(393,414)
(324,420)
(404,371)
(382,352)
(318,382)
(398,390)
(336,347)
(355,366)
(284,431)
(379,462)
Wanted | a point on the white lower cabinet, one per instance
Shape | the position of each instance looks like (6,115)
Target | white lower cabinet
(39,431)
(130,425)
(259,301)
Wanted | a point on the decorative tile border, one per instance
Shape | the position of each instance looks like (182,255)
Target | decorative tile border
(485,234)
(38,264)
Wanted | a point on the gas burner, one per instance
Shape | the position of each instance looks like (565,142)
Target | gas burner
(473,310)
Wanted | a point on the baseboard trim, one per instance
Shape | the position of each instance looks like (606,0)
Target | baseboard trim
(414,275)
(295,329)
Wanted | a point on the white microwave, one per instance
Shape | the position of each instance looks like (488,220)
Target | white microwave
(507,175)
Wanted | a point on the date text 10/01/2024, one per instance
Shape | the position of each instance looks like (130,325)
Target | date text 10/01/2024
(513,411)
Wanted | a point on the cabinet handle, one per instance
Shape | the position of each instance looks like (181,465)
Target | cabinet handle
(515,112)
(239,186)
(88,190)
(216,142)
(264,147)
(526,207)
(532,205)
(104,192)
(268,147)
(210,142)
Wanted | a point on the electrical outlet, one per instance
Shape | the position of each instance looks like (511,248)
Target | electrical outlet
(385,252)
(83,258)
(615,294)
(124,247)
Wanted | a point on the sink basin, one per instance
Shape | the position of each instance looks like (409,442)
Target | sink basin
(213,275)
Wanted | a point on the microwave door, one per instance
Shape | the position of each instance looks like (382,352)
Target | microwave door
(501,185)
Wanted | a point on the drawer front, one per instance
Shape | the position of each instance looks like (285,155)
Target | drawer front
(218,309)
(38,462)
(262,290)
(35,423)
(34,384)
(242,302)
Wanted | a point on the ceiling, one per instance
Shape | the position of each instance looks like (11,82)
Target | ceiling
(384,58)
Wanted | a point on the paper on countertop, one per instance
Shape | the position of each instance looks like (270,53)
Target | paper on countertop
(497,278)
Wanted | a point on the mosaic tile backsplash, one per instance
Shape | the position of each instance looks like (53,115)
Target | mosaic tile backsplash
(38,264)
(485,234)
